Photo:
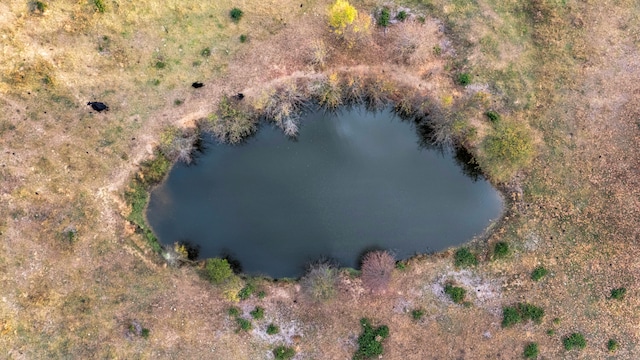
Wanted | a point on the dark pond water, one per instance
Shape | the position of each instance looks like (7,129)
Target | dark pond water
(351,182)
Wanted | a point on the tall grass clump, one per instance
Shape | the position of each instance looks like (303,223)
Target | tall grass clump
(283,105)
(231,123)
(506,150)
(377,268)
(320,281)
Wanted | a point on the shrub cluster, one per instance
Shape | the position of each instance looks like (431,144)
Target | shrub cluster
(377,267)
(457,294)
(370,341)
(574,341)
(465,258)
(512,315)
(283,353)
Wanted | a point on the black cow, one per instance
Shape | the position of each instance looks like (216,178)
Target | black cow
(197,85)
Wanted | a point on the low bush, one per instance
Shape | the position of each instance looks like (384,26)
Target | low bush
(243,324)
(206,52)
(465,258)
(402,15)
(417,314)
(501,250)
(463,79)
(384,17)
(457,294)
(246,291)
(243,38)
(493,116)
(507,149)
(512,315)
(370,341)
(100,5)
(531,351)
(619,293)
(612,345)
(236,14)
(233,311)
(283,353)
(538,273)
(574,341)
(231,123)
(320,281)
(377,267)
(257,313)
(218,270)
(272,329)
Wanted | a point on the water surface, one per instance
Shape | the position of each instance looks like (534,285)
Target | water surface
(351,182)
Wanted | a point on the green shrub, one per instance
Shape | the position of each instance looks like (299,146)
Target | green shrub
(437,50)
(100,5)
(244,324)
(465,258)
(145,333)
(384,17)
(246,291)
(273,329)
(206,52)
(243,38)
(456,293)
(501,250)
(283,353)
(401,265)
(618,293)
(233,311)
(612,345)
(574,341)
(370,341)
(320,281)
(464,79)
(257,313)
(236,14)
(417,314)
(402,15)
(538,273)
(531,351)
(507,149)
(218,270)
(512,315)
(493,116)
(261,294)
(160,65)
(551,332)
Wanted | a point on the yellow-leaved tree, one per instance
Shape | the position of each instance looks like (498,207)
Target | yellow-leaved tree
(341,14)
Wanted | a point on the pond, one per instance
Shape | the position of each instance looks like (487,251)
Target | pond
(351,182)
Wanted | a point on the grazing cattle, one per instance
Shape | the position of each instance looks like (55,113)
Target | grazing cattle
(98,106)
(197,85)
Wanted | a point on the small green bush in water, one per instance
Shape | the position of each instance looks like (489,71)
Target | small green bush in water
(618,293)
(465,258)
(456,293)
(538,273)
(574,341)
(236,14)
(370,341)
(531,351)
(218,270)
(283,353)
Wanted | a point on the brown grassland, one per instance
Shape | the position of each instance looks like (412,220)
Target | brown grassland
(78,281)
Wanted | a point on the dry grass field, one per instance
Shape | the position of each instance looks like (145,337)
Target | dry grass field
(77,281)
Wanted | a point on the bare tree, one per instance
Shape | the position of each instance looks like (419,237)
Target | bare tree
(377,267)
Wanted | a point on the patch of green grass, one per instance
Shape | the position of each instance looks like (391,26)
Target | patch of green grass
(246,291)
(463,79)
(507,149)
(465,258)
(272,329)
(417,314)
(100,5)
(612,345)
(145,333)
(456,293)
(493,116)
(512,315)
(160,64)
(531,351)
(370,341)
(257,313)
(402,15)
(501,250)
(551,332)
(574,341)
(283,353)
(619,293)
(233,311)
(538,273)
(261,294)
(236,14)
(243,324)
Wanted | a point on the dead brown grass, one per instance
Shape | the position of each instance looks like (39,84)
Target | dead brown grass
(569,72)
